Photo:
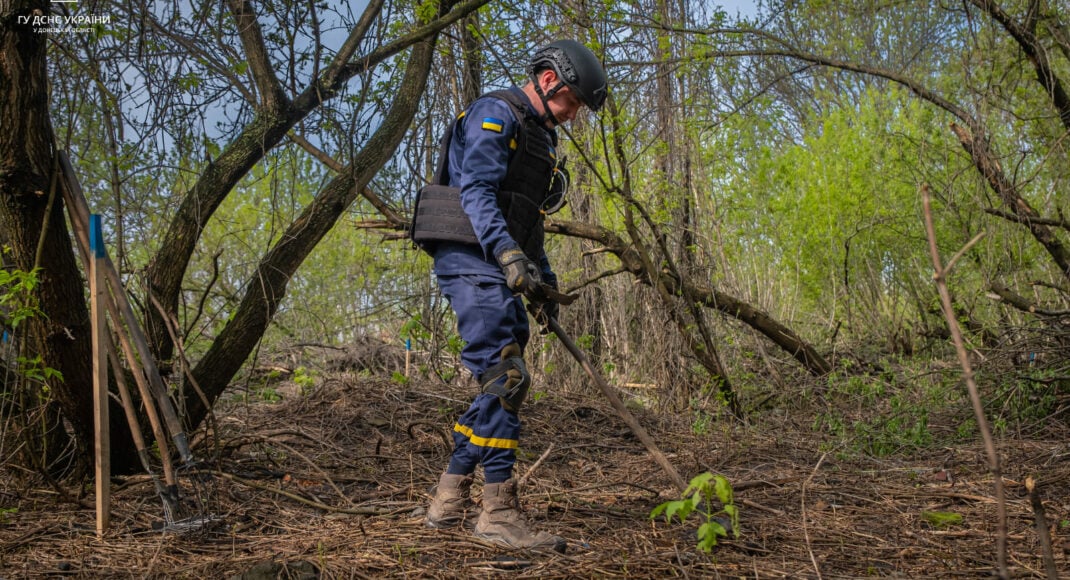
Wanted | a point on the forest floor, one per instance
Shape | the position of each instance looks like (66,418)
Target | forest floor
(331,482)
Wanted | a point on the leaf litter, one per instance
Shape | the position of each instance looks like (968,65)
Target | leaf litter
(331,482)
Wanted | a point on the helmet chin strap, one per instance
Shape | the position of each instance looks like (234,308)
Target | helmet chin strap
(548,115)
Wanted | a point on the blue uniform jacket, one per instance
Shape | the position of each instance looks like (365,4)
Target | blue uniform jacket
(478,161)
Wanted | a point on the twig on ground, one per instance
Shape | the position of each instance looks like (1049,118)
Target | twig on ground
(802,508)
(756,505)
(651,491)
(433,427)
(524,478)
(356,511)
(316,468)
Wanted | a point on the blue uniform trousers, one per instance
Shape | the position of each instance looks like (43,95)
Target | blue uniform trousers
(489,318)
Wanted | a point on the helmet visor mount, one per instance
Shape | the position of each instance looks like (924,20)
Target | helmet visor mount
(598,98)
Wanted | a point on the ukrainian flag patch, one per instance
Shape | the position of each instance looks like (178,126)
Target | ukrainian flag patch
(492,124)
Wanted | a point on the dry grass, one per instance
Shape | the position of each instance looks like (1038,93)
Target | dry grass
(287,483)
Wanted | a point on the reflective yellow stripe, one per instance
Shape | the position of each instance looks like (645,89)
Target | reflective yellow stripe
(485,441)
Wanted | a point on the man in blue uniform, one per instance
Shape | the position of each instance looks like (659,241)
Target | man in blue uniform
(502,157)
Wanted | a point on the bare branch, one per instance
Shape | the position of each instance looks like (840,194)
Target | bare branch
(708,296)
(209,60)
(393,219)
(352,42)
(167,269)
(596,278)
(1060,36)
(1020,302)
(271,94)
(990,168)
(973,241)
(327,86)
(320,155)
(940,277)
(1026,38)
(1057,223)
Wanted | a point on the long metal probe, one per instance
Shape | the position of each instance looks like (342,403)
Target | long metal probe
(617,404)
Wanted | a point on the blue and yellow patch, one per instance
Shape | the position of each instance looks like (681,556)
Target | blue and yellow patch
(492,124)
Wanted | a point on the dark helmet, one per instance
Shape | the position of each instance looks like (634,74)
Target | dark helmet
(577,67)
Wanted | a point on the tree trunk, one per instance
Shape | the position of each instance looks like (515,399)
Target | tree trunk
(240,336)
(31,216)
(275,117)
(471,49)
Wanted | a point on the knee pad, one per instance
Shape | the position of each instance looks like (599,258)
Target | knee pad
(514,389)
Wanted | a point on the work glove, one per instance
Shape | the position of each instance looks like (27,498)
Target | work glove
(521,274)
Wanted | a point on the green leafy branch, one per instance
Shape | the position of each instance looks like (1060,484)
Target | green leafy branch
(699,496)
(18,304)
(17,301)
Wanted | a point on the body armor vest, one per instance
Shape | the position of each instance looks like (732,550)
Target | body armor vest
(439,217)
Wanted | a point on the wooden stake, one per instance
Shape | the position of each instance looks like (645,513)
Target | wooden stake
(408,355)
(100,376)
(79,214)
(79,211)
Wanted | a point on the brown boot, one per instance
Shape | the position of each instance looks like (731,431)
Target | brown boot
(503,522)
(453,503)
